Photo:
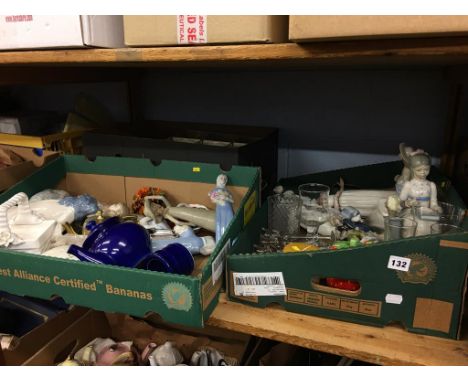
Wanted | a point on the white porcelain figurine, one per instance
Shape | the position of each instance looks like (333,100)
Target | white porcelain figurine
(224,201)
(416,196)
(26,231)
(418,191)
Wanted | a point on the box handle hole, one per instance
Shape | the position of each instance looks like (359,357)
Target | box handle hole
(156,162)
(345,287)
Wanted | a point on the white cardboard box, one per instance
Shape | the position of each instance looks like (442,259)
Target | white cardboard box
(31,31)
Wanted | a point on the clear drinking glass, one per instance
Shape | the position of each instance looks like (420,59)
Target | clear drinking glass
(284,213)
(399,228)
(451,214)
(439,228)
(314,205)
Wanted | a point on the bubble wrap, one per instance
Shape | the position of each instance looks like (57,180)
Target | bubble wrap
(49,194)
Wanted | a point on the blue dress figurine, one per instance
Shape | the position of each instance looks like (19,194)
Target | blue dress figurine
(223,199)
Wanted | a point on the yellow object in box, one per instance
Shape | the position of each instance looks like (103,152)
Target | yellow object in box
(299,247)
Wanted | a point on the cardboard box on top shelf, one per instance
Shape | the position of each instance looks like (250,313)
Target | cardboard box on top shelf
(427,298)
(11,175)
(310,28)
(54,31)
(185,30)
(187,300)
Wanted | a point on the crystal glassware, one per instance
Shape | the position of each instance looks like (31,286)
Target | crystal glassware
(284,213)
(399,228)
(439,228)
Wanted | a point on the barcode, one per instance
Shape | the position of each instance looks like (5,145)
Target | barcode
(259,284)
(258,280)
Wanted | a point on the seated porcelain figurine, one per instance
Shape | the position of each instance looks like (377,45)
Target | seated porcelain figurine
(416,196)
(418,191)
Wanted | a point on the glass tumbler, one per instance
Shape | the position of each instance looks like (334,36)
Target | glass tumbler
(284,213)
(451,214)
(439,228)
(314,205)
(399,228)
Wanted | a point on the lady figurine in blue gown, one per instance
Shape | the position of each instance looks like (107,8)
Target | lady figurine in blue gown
(223,199)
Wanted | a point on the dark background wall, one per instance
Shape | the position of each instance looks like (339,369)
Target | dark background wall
(327,118)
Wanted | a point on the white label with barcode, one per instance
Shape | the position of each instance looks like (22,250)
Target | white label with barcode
(192,29)
(217,266)
(399,263)
(259,284)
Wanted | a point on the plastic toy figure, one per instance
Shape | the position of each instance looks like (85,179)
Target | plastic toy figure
(223,199)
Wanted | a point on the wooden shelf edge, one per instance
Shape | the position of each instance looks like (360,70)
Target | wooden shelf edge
(384,346)
(447,48)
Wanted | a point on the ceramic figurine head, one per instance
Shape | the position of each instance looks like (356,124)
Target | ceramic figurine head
(417,161)
(420,165)
(221,180)
(116,354)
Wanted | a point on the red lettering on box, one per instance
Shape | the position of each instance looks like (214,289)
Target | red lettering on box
(18,18)
(191,29)
(181,36)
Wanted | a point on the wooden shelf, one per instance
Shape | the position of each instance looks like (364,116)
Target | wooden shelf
(384,346)
(432,51)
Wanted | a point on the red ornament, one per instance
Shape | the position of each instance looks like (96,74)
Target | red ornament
(342,284)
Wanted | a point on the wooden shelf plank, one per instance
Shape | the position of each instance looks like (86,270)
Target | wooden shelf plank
(423,50)
(384,346)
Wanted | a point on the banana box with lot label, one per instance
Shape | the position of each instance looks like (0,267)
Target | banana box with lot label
(418,282)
